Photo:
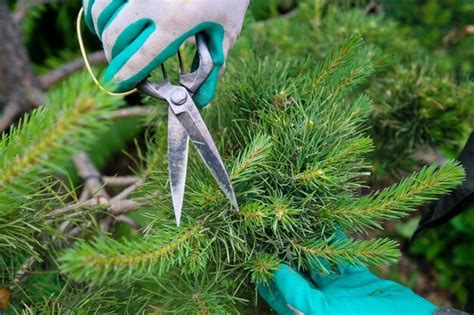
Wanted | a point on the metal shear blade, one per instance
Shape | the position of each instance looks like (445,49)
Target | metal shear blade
(185,123)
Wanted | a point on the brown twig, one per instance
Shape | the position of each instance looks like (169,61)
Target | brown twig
(132,112)
(120,181)
(66,70)
(456,35)
(128,221)
(116,207)
(22,273)
(90,175)
(93,183)
(128,191)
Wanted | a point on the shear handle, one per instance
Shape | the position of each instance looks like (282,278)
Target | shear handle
(193,81)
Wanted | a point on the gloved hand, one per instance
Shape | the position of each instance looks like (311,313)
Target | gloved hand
(139,35)
(354,291)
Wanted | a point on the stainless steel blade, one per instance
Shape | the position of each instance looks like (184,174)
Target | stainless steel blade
(196,128)
(178,150)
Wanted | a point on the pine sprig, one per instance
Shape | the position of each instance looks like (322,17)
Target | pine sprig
(337,60)
(44,141)
(41,146)
(250,161)
(117,261)
(397,200)
(262,268)
(340,252)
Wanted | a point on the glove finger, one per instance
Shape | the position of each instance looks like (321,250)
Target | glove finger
(215,42)
(118,35)
(322,274)
(139,59)
(274,300)
(206,92)
(105,11)
(298,293)
(323,279)
(87,5)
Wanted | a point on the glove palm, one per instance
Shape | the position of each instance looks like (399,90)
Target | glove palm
(351,291)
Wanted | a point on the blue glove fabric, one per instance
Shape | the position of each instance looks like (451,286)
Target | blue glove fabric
(353,290)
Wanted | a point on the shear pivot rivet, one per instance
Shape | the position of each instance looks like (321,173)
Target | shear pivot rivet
(179,97)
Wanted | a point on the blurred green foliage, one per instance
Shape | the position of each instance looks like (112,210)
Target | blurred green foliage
(438,26)
(262,10)
(450,248)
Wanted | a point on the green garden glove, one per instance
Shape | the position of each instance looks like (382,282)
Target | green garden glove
(354,291)
(139,35)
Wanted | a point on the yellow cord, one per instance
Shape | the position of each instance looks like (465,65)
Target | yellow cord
(86,60)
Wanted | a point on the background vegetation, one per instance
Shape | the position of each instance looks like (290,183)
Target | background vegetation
(418,66)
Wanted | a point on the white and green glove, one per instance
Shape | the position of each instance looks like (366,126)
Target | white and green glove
(139,35)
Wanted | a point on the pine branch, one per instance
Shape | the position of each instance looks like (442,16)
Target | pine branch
(253,158)
(116,261)
(132,112)
(341,252)
(206,293)
(262,268)
(120,181)
(395,201)
(338,59)
(46,138)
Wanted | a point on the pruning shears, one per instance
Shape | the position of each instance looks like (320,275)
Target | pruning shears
(185,123)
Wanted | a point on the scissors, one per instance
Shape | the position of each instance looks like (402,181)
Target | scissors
(185,123)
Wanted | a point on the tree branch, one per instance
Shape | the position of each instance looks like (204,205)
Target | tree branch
(19,88)
(120,181)
(132,112)
(66,70)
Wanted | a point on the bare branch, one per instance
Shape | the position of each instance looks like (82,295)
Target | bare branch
(132,112)
(90,175)
(456,35)
(128,221)
(116,207)
(66,70)
(128,191)
(20,90)
(22,273)
(120,181)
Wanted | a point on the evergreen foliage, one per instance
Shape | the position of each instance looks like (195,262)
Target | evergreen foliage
(293,127)
(449,248)
(40,146)
(419,102)
(295,140)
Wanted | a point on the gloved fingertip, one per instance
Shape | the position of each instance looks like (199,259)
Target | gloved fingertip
(266,293)
(107,80)
(88,16)
(207,91)
(274,299)
(297,291)
(203,97)
(285,276)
